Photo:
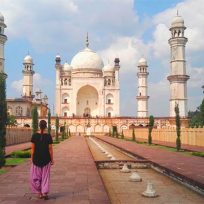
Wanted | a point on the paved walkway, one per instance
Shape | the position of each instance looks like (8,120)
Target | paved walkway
(186,167)
(11,148)
(186,147)
(74,178)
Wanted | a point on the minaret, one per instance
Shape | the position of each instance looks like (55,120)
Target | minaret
(58,67)
(142,97)
(3,39)
(178,78)
(28,77)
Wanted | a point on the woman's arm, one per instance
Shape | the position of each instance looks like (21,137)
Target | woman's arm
(51,153)
(32,151)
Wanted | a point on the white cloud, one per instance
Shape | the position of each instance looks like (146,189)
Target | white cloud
(196,77)
(39,83)
(128,49)
(17,86)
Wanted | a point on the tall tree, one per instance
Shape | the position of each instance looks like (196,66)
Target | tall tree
(49,122)
(178,128)
(3,118)
(34,119)
(133,135)
(57,128)
(202,113)
(151,125)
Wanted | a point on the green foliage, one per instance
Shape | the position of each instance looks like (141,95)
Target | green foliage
(49,122)
(109,134)
(63,132)
(151,126)
(115,131)
(56,142)
(69,133)
(34,120)
(57,128)
(15,161)
(21,154)
(3,118)
(122,135)
(11,120)
(199,154)
(178,128)
(133,135)
(196,118)
(2,171)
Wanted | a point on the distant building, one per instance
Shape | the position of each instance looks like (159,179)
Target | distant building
(22,107)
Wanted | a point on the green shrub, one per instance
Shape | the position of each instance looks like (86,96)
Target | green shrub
(199,154)
(56,142)
(21,154)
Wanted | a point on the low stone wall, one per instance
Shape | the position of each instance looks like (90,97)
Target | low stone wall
(190,136)
(17,135)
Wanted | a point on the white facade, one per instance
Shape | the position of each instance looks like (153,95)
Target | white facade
(142,97)
(3,39)
(87,87)
(178,78)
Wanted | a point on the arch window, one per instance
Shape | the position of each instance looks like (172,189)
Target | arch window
(109,99)
(65,111)
(109,112)
(9,110)
(19,111)
(65,82)
(69,82)
(65,98)
(109,82)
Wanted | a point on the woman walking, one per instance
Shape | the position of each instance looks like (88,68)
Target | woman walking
(42,159)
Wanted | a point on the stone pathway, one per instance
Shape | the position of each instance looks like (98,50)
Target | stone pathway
(186,167)
(74,178)
(11,148)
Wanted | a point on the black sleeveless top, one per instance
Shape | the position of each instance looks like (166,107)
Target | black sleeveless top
(41,156)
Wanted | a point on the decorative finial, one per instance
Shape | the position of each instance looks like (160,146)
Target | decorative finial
(87,40)
(28,52)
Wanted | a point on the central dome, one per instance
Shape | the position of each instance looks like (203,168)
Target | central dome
(87,59)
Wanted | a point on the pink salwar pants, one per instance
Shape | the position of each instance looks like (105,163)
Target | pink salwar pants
(40,178)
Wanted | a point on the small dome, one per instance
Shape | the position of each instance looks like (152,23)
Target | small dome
(87,59)
(1,17)
(177,22)
(57,57)
(28,59)
(67,67)
(108,68)
(142,62)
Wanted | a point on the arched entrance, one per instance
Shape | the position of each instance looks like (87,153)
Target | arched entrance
(87,101)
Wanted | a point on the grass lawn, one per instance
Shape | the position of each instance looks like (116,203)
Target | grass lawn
(2,171)
(15,161)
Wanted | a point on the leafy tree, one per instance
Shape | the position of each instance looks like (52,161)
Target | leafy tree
(122,135)
(64,132)
(57,128)
(69,133)
(202,113)
(11,120)
(178,128)
(151,126)
(34,120)
(49,122)
(110,133)
(133,134)
(3,118)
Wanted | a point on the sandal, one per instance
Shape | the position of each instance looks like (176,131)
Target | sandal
(45,197)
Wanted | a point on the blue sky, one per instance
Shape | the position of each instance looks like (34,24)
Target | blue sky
(124,28)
